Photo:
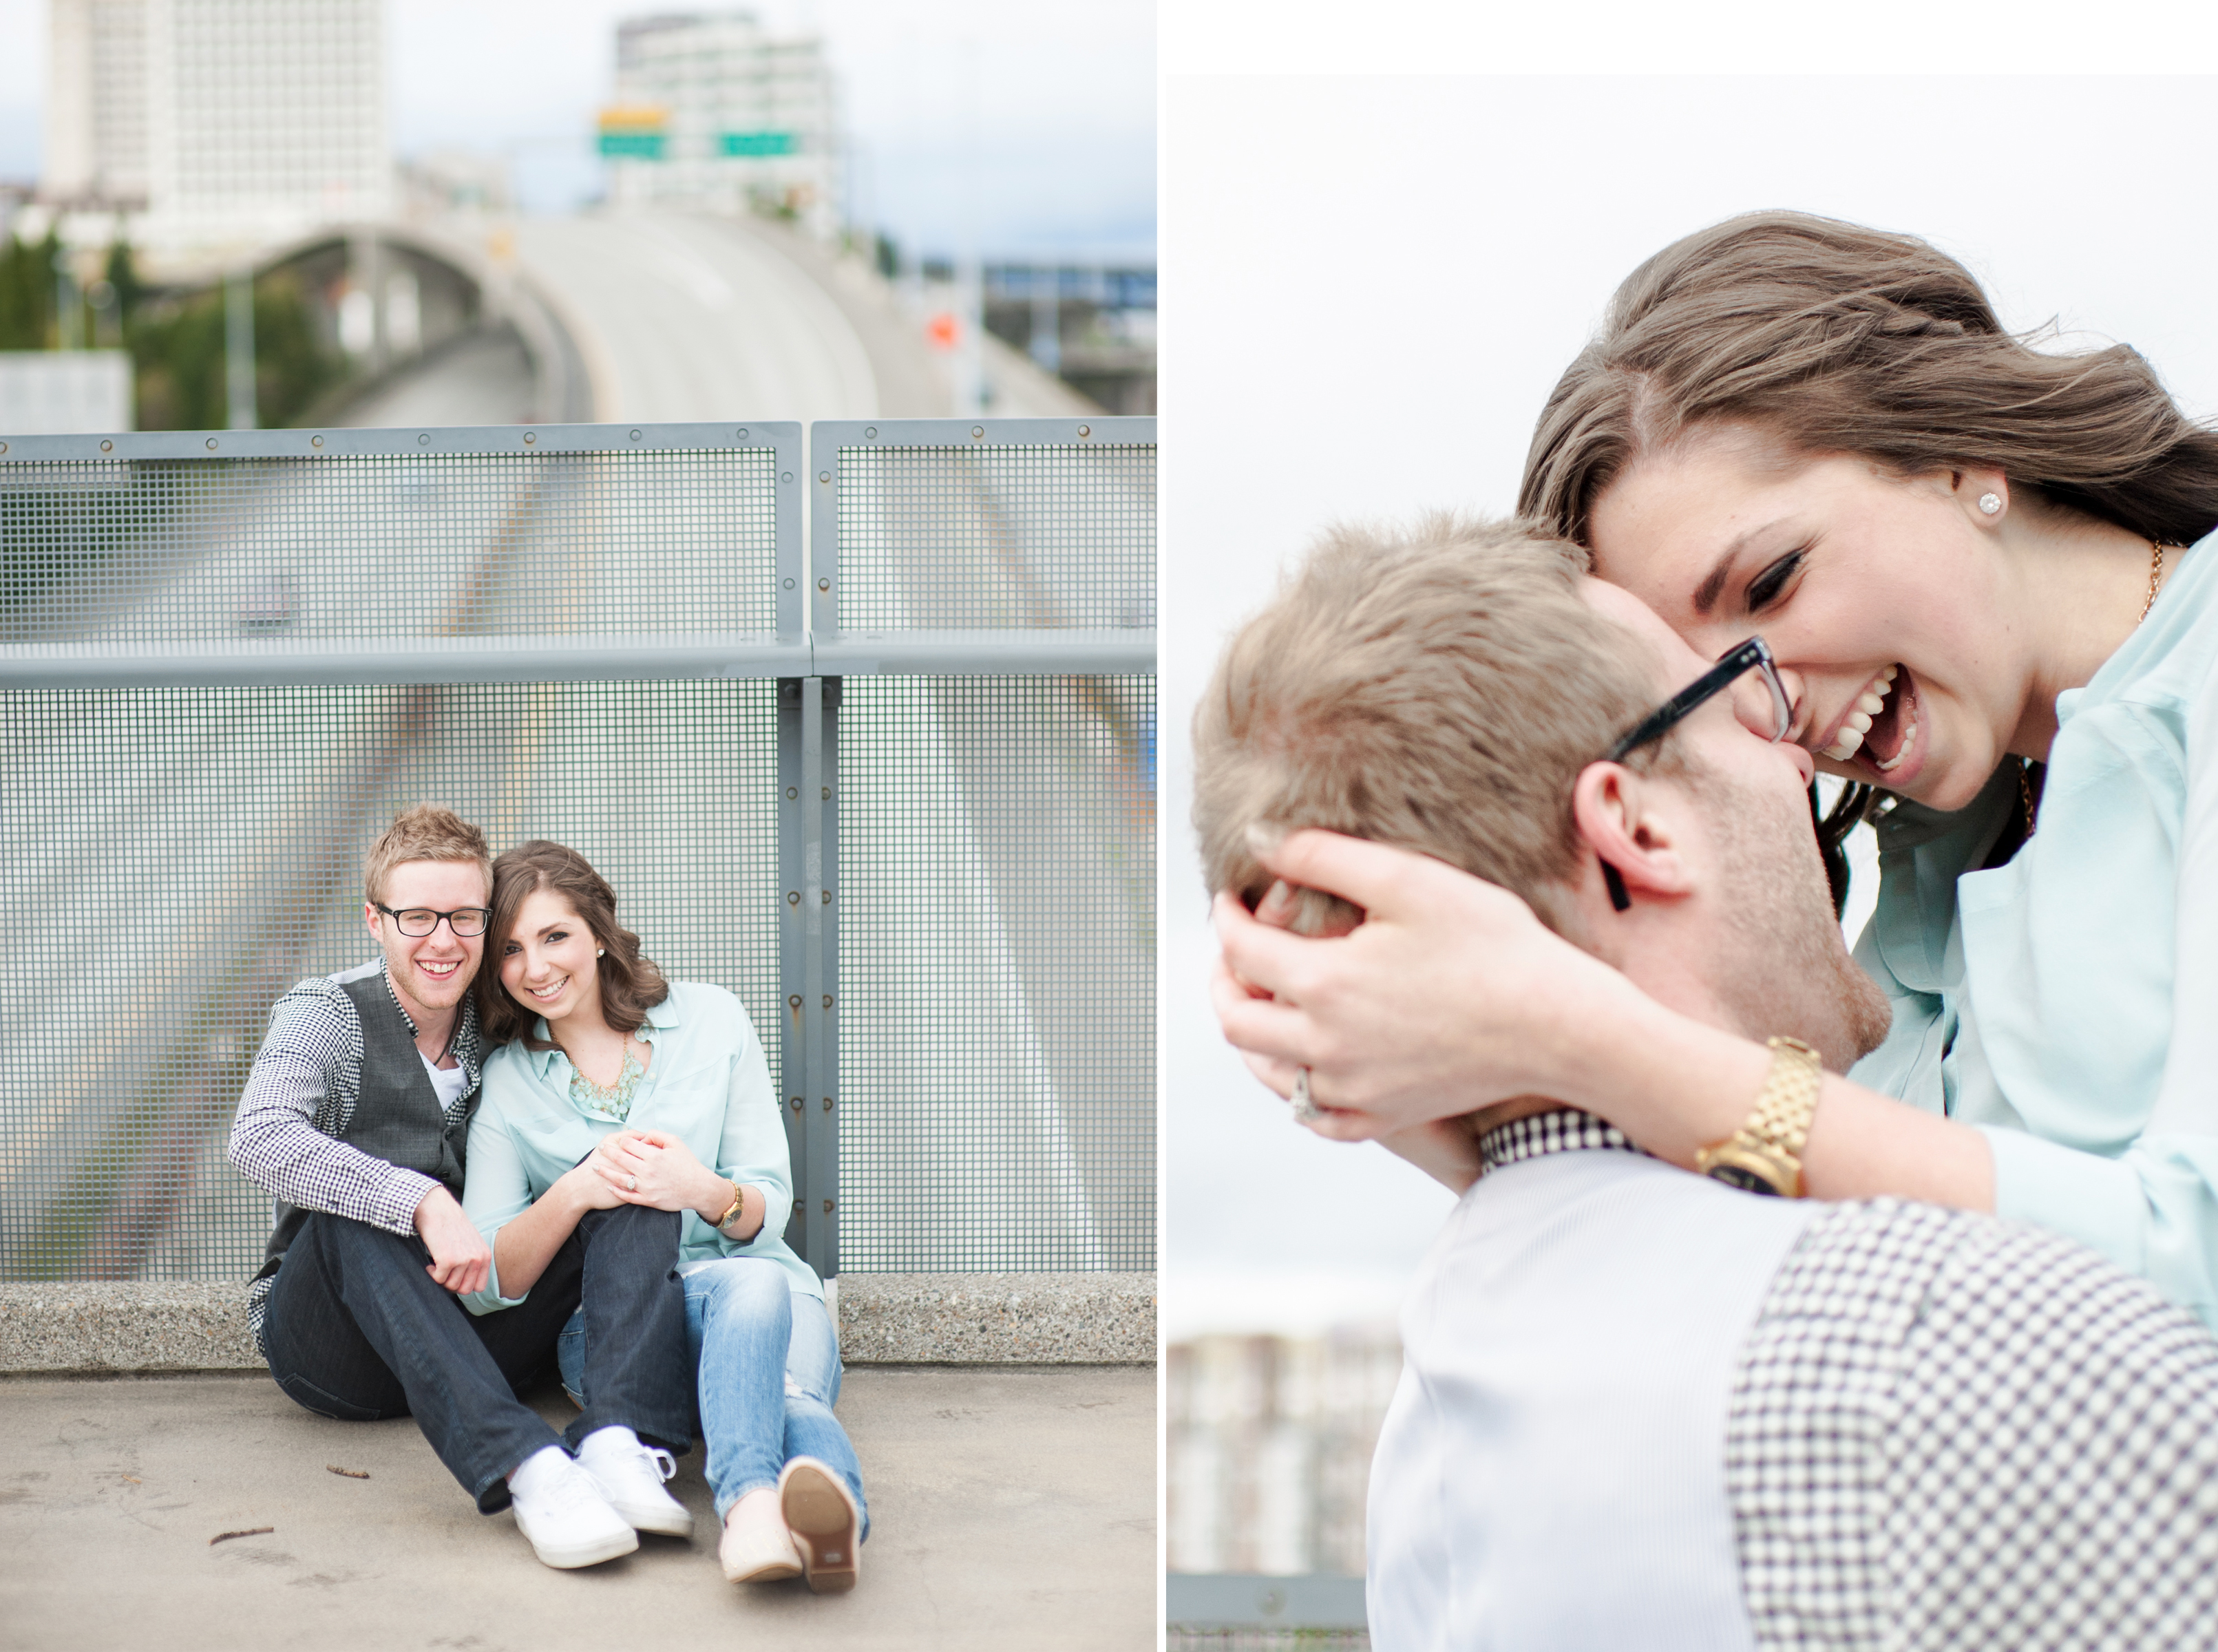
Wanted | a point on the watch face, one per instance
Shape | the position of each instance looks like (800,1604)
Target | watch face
(1747,1180)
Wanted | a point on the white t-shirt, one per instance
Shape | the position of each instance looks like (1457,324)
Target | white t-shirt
(448,1082)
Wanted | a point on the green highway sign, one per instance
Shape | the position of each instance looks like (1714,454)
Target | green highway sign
(759,142)
(633,145)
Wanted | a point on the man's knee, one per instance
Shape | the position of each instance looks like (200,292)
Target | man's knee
(634,1222)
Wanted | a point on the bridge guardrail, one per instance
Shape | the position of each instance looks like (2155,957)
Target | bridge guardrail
(228,657)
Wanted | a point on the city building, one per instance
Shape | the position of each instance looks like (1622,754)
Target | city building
(713,110)
(1267,1445)
(218,125)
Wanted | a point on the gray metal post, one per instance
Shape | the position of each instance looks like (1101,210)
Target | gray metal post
(824,1114)
(795,986)
(816,1180)
(238,345)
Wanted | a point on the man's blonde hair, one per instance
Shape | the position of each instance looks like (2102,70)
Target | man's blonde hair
(1439,689)
(426,831)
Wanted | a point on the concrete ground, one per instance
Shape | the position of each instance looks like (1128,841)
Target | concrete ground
(1010,1507)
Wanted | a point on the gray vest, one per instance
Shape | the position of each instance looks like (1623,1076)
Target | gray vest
(397,1116)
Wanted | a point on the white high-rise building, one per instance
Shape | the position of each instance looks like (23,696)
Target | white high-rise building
(231,123)
(96,104)
(714,110)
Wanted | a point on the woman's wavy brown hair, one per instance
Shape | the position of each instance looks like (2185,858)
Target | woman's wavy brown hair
(630,984)
(1831,339)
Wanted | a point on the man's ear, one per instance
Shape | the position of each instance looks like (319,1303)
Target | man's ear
(369,917)
(1627,822)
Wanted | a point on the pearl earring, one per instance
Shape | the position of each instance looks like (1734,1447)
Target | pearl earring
(1990,503)
(600,952)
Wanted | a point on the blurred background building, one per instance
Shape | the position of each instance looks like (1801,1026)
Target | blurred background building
(1267,1445)
(717,111)
(217,125)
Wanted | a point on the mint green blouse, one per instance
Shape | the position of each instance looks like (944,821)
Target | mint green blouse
(707,1083)
(2066,1003)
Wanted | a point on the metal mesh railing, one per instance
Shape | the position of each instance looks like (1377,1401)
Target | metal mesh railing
(177,858)
(1053,533)
(227,660)
(997,973)
(261,553)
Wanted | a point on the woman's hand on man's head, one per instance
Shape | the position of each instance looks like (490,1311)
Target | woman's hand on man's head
(1450,996)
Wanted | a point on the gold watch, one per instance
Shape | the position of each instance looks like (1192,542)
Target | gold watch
(1765,1154)
(738,1203)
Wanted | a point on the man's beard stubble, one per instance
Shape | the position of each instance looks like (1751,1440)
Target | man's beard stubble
(1787,969)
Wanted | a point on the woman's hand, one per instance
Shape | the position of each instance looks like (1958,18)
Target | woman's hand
(653,1168)
(1451,995)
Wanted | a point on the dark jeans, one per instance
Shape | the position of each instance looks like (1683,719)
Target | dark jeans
(358,1330)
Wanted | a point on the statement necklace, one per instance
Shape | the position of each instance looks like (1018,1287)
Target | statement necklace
(2157,548)
(611,1101)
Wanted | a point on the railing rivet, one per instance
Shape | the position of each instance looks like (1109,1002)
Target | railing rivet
(796,1104)
(827,1206)
(635,436)
(823,585)
(826,893)
(211,442)
(788,585)
(823,475)
(793,898)
(425,440)
(315,441)
(108,446)
(828,1001)
(870,433)
(977,433)
(792,792)
(827,1104)
(743,433)
(531,438)
(793,1003)
(827,793)
(1086,430)
(785,476)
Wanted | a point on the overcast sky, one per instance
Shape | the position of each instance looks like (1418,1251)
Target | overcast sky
(1369,286)
(1030,126)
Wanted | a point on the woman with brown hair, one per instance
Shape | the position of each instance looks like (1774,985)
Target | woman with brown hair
(1972,560)
(608,1084)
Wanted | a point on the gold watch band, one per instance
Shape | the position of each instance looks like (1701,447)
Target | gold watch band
(1765,1154)
(732,1213)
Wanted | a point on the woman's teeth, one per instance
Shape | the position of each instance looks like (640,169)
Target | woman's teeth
(1849,739)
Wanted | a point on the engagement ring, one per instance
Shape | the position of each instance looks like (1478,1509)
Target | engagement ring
(635,1184)
(1304,1109)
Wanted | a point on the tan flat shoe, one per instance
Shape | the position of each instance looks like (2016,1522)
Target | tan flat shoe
(825,1524)
(756,1548)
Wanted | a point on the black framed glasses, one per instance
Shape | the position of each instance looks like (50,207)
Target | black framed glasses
(1732,668)
(417,922)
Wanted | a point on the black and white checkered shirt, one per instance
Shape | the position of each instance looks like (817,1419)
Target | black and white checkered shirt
(300,1097)
(1947,1431)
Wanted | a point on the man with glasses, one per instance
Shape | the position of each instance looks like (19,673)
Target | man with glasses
(1639,1405)
(355,1119)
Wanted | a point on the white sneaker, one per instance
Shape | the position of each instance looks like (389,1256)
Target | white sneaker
(562,1513)
(630,1476)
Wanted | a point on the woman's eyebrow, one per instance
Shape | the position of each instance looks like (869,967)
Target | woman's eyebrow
(1706,594)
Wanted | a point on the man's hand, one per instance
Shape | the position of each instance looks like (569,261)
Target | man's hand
(459,1258)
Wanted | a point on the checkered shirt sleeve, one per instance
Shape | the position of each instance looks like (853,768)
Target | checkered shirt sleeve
(1951,1432)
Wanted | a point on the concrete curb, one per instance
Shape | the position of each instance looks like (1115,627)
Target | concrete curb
(963,1319)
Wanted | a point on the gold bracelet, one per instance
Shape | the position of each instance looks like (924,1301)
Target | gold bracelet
(732,1213)
(1765,1154)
